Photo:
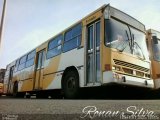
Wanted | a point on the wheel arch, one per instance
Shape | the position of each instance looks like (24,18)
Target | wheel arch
(14,83)
(70,68)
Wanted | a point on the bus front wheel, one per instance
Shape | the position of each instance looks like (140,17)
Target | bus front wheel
(71,85)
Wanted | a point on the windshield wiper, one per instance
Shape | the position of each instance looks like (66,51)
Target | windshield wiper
(124,43)
(141,51)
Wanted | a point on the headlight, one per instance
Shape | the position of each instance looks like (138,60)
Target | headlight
(116,68)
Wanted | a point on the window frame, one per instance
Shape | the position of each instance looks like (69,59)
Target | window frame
(32,58)
(22,63)
(73,37)
(55,47)
(153,49)
(16,66)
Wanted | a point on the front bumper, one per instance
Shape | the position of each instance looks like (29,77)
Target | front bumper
(112,77)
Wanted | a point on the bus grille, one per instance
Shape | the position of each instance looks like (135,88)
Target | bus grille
(131,66)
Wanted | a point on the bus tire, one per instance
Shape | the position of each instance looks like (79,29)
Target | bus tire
(71,85)
(28,96)
(15,89)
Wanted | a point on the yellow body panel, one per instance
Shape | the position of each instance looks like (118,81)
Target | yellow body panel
(126,61)
(26,78)
(92,18)
(27,85)
(155,64)
(50,69)
(37,79)
(1,88)
(5,89)
(106,57)
(129,58)
(155,69)
(47,80)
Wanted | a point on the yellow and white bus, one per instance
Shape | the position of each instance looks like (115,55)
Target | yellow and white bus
(106,47)
(153,43)
(2,72)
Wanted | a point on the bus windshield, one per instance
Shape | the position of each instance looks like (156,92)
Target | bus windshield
(156,50)
(125,38)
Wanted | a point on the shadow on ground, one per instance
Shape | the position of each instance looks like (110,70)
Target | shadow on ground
(119,92)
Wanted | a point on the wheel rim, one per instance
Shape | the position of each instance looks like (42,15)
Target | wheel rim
(71,83)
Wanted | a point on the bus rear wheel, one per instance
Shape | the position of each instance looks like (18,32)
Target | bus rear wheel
(71,85)
(15,89)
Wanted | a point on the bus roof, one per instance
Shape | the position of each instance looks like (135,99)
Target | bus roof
(155,32)
(152,31)
(115,13)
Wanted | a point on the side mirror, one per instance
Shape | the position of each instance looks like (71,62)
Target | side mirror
(155,40)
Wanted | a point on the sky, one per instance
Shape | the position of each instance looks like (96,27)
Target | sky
(28,23)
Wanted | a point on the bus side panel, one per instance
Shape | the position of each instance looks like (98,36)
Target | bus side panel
(156,73)
(5,86)
(50,69)
(6,82)
(25,79)
(71,58)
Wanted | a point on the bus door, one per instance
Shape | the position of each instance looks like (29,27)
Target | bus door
(38,85)
(9,89)
(93,75)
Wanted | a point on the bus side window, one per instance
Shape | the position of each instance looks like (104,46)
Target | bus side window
(54,47)
(22,62)
(72,38)
(30,58)
(16,66)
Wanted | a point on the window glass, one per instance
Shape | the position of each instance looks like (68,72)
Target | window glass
(39,60)
(116,33)
(43,58)
(70,45)
(54,52)
(72,38)
(139,46)
(156,50)
(76,30)
(54,47)
(30,58)
(22,63)
(23,59)
(68,35)
(90,37)
(55,42)
(31,55)
(21,66)
(16,67)
(119,36)
(30,62)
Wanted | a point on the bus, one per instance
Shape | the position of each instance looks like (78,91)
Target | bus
(153,43)
(1,89)
(2,72)
(107,47)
